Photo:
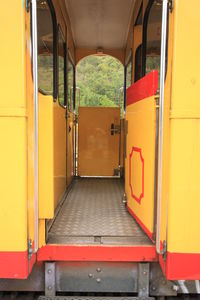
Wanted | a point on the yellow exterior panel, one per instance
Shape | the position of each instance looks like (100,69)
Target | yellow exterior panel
(46,157)
(184,193)
(13,187)
(140,159)
(12,54)
(184,160)
(98,153)
(186,76)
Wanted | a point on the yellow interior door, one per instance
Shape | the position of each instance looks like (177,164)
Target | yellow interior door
(98,141)
(140,162)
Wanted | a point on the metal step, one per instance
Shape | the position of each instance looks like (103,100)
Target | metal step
(88,298)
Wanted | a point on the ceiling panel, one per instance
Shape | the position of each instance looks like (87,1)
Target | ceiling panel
(100,23)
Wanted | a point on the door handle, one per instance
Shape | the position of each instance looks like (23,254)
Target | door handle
(115,129)
(112,129)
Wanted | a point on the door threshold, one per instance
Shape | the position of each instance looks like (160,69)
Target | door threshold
(128,253)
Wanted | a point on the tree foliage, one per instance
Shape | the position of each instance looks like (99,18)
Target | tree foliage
(99,79)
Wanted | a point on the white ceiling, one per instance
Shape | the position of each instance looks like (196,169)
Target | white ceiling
(100,23)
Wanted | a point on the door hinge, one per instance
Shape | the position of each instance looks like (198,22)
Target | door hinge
(28,4)
(125,139)
(30,249)
(171,5)
(164,250)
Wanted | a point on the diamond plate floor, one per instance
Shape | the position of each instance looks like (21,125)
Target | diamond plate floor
(93,213)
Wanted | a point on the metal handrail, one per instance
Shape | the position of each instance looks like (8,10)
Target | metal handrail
(161,121)
(35,83)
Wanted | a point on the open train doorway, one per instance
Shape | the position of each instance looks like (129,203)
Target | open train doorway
(93,212)
(100,80)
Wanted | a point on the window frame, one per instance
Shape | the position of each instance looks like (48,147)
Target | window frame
(69,58)
(135,71)
(59,31)
(129,60)
(55,75)
(144,38)
(140,14)
(54,26)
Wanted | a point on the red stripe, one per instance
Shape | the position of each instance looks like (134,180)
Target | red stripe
(146,230)
(14,265)
(183,266)
(143,88)
(96,253)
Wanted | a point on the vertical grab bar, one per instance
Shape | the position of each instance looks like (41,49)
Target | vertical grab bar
(161,121)
(35,83)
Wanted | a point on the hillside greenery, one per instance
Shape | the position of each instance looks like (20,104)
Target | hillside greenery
(99,79)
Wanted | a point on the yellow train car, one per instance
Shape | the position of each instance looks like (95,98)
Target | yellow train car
(94,201)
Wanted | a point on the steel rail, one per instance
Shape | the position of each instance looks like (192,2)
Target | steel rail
(35,83)
(161,123)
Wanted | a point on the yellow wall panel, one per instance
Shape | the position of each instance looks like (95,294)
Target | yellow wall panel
(13,187)
(46,157)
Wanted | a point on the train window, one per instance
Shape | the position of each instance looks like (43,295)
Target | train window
(70,83)
(152,36)
(46,47)
(61,68)
(138,63)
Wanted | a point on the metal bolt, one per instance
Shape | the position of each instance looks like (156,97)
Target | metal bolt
(144,273)
(49,287)
(90,275)
(144,289)
(98,270)
(49,271)
(153,288)
(98,280)
(175,288)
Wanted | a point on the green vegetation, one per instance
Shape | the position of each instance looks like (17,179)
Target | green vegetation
(45,74)
(99,79)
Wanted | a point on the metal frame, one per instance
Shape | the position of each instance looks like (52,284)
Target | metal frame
(69,58)
(128,60)
(161,121)
(59,31)
(55,50)
(144,36)
(35,83)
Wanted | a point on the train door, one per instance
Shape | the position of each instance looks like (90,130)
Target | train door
(142,121)
(98,141)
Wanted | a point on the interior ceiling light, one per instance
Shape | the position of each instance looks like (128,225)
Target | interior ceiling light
(100,51)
